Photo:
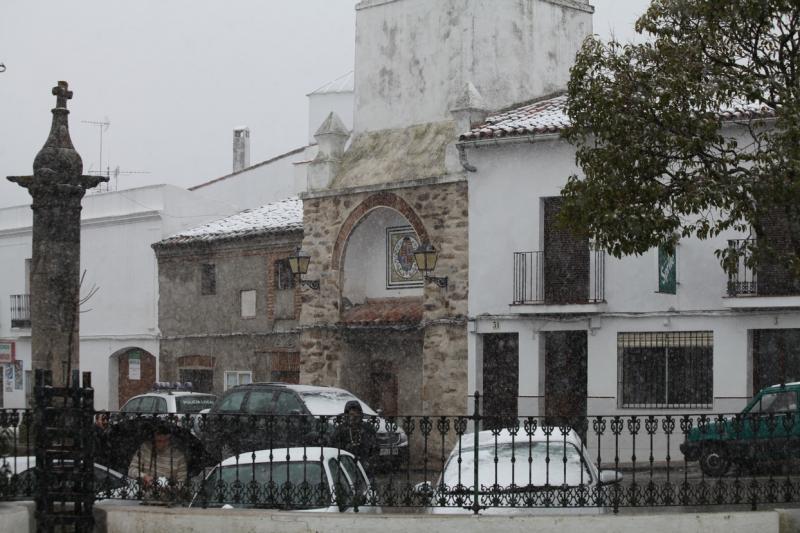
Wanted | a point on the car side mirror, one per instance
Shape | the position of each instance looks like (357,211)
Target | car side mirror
(607,477)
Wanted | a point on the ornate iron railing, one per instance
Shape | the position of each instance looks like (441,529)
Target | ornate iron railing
(742,279)
(461,463)
(530,280)
(20,310)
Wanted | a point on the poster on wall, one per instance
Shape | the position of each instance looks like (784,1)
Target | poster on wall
(134,366)
(7,354)
(18,374)
(8,373)
(401,269)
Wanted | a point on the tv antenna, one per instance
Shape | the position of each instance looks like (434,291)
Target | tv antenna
(115,173)
(102,125)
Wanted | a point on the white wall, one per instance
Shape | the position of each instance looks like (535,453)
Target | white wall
(505,199)
(505,217)
(257,185)
(117,229)
(409,48)
(365,258)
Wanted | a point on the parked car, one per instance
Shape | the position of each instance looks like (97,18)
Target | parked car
(767,430)
(326,480)
(172,399)
(18,480)
(173,404)
(519,475)
(224,431)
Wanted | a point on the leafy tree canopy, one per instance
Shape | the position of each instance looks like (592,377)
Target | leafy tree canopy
(660,159)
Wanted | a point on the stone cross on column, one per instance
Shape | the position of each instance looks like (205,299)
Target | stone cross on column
(56,187)
(62,94)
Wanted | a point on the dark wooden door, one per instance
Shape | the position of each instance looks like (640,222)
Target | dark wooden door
(501,374)
(565,383)
(566,260)
(383,387)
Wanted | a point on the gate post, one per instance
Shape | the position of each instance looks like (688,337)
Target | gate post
(63,422)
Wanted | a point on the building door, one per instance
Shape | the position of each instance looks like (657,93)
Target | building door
(565,379)
(776,357)
(383,389)
(566,260)
(136,373)
(500,374)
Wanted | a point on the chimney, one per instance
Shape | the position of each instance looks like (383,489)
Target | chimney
(241,148)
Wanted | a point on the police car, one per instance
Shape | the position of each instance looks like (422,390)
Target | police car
(170,398)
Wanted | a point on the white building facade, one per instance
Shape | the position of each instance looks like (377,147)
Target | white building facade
(576,332)
(118,322)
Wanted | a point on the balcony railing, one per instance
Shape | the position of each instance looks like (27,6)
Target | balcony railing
(770,277)
(530,280)
(20,310)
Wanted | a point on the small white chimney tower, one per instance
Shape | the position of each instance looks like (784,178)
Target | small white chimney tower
(241,148)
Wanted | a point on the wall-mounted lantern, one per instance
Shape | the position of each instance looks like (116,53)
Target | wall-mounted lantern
(298,263)
(425,256)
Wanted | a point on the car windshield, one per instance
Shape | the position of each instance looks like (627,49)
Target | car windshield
(194,403)
(775,403)
(331,402)
(529,467)
(294,485)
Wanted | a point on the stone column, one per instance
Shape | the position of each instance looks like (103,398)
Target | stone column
(56,188)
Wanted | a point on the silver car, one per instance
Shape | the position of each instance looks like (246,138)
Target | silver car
(520,474)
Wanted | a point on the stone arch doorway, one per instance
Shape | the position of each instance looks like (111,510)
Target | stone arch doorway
(381,294)
(132,371)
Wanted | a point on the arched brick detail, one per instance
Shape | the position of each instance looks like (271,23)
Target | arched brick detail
(381,199)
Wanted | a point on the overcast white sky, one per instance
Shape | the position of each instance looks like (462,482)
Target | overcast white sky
(174,77)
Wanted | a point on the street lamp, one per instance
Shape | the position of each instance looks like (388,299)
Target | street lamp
(425,256)
(298,263)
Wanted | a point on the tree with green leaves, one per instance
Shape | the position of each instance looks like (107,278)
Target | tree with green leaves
(692,133)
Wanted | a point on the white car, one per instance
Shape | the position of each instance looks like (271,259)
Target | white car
(519,475)
(170,402)
(302,479)
(20,473)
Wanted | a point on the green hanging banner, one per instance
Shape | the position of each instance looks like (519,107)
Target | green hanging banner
(667,279)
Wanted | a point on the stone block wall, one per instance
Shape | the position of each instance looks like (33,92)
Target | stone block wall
(438,211)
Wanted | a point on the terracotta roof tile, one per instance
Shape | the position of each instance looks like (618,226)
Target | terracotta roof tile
(384,311)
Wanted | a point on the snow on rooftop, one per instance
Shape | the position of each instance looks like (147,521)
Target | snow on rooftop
(549,116)
(277,217)
(342,84)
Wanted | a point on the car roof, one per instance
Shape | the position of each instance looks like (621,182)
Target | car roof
(292,386)
(771,388)
(171,393)
(299,454)
(489,437)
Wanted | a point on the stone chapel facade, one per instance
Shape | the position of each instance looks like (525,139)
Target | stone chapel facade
(425,72)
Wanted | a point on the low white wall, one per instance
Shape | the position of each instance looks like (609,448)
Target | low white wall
(140,520)
(16,517)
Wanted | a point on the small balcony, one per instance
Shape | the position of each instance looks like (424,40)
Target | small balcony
(578,283)
(20,310)
(768,285)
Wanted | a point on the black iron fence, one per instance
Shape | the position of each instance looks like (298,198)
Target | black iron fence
(436,464)
(20,310)
(530,280)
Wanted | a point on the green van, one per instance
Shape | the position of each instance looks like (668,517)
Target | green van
(767,430)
